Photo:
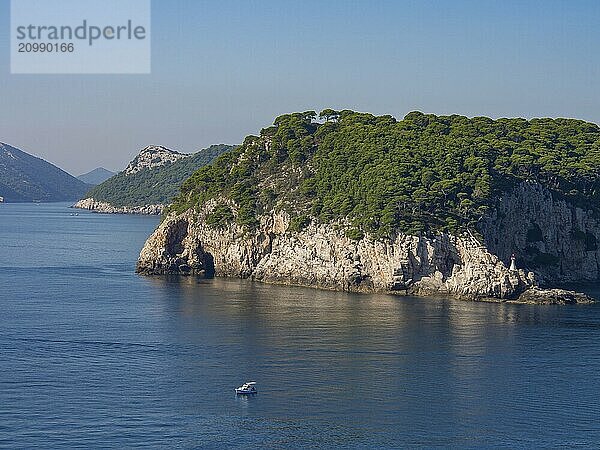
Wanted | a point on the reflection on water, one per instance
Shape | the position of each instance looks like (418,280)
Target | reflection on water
(95,355)
(384,361)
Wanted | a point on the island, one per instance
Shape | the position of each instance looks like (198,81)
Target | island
(474,208)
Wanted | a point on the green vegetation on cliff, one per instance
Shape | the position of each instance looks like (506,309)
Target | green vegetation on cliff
(156,185)
(421,173)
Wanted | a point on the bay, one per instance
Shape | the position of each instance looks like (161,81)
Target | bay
(93,355)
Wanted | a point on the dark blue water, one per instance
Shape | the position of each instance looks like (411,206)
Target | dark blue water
(92,355)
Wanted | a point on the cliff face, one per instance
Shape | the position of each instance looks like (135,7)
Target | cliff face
(554,238)
(322,256)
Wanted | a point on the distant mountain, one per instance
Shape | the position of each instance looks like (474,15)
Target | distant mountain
(149,182)
(26,178)
(96,176)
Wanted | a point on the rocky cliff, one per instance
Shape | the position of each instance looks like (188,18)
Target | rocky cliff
(322,256)
(553,237)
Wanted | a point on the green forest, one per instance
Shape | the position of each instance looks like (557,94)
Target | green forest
(154,186)
(379,174)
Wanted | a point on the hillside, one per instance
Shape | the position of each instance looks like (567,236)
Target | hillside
(96,176)
(152,177)
(422,173)
(26,178)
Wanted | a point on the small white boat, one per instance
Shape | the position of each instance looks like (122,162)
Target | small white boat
(247,388)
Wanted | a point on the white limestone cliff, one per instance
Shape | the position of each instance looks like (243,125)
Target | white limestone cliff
(322,256)
(557,239)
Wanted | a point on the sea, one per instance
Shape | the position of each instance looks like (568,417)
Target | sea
(93,355)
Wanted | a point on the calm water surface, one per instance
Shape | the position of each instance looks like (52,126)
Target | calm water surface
(92,355)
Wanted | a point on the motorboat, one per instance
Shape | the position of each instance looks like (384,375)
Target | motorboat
(246,388)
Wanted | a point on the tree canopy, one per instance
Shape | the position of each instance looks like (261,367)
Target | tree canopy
(378,174)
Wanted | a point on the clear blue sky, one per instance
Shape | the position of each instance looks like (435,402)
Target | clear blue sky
(225,69)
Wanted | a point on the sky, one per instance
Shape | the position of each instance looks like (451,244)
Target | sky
(224,69)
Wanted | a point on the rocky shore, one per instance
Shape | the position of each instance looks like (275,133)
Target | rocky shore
(106,208)
(323,256)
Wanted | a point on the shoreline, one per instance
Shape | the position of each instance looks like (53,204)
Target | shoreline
(544,296)
(95,206)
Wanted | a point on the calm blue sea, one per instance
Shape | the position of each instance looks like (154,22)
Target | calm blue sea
(93,355)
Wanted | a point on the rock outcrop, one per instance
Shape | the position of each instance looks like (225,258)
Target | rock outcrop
(152,157)
(554,297)
(106,208)
(322,256)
